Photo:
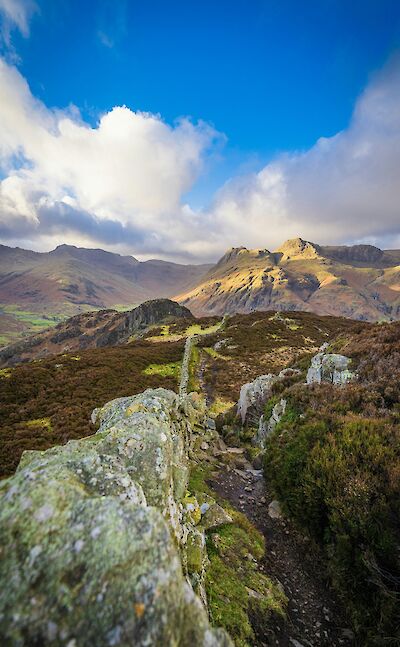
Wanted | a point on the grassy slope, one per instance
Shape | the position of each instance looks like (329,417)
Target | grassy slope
(336,470)
(66,388)
(334,462)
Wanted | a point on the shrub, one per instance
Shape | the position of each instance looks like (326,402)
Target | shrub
(63,392)
(336,472)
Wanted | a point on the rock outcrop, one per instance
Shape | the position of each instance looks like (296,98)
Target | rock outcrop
(93,330)
(360,282)
(266,427)
(329,367)
(98,539)
(254,395)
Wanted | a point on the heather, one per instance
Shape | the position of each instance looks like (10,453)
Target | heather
(334,462)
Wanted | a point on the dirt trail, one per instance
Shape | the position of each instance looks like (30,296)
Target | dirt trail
(314,616)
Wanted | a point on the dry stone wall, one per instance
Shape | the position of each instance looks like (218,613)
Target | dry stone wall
(97,538)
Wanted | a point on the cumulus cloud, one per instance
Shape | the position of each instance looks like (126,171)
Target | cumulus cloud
(130,171)
(346,188)
(121,184)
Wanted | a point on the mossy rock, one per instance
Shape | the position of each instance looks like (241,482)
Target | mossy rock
(90,537)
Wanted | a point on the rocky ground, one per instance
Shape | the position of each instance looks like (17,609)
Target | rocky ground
(315,617)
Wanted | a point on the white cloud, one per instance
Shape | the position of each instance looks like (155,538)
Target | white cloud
(120,185)
(15,14)
(131,169)
(344,189)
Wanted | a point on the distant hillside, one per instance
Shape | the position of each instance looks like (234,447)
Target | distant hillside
(49,400)
(95,329)
(39,289)
(361,282)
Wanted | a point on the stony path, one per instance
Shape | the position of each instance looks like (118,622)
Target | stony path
(314,617)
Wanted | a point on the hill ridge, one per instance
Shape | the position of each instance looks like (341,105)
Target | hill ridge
(357,281)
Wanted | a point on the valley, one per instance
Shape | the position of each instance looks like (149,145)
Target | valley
(199,324)
(41,289)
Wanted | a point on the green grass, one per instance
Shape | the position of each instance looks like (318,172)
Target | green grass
(5,373)
(8,338)
(39,423)
(220,406)
(34,321)
(166,334)
(30,317)
(236,590)
(196,329)
(172,369)
(214,353)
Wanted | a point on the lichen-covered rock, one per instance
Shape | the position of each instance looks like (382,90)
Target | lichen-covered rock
(195,551)
(329,367)
(274,510)
(266,427)
(191,510)
(215,516)
(253,395)
(93,537)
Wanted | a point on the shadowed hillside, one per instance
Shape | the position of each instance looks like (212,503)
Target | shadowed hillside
(93,330)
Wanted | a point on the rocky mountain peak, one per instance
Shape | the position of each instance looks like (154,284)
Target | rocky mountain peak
(236,252)
(298,247)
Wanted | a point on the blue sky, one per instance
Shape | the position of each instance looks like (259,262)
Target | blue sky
(271,77)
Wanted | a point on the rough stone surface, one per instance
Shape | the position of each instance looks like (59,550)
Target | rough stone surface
(266,427)
(185,369)
(253,395)
(329,367)
(94,543)
(214,517)
(274,510)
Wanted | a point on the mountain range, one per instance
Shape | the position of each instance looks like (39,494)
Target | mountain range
(39,289)
(361,282)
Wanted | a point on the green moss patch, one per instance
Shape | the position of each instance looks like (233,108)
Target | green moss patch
(220,406)
(172,369)
(236,589)
(39,423)
(215,354)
